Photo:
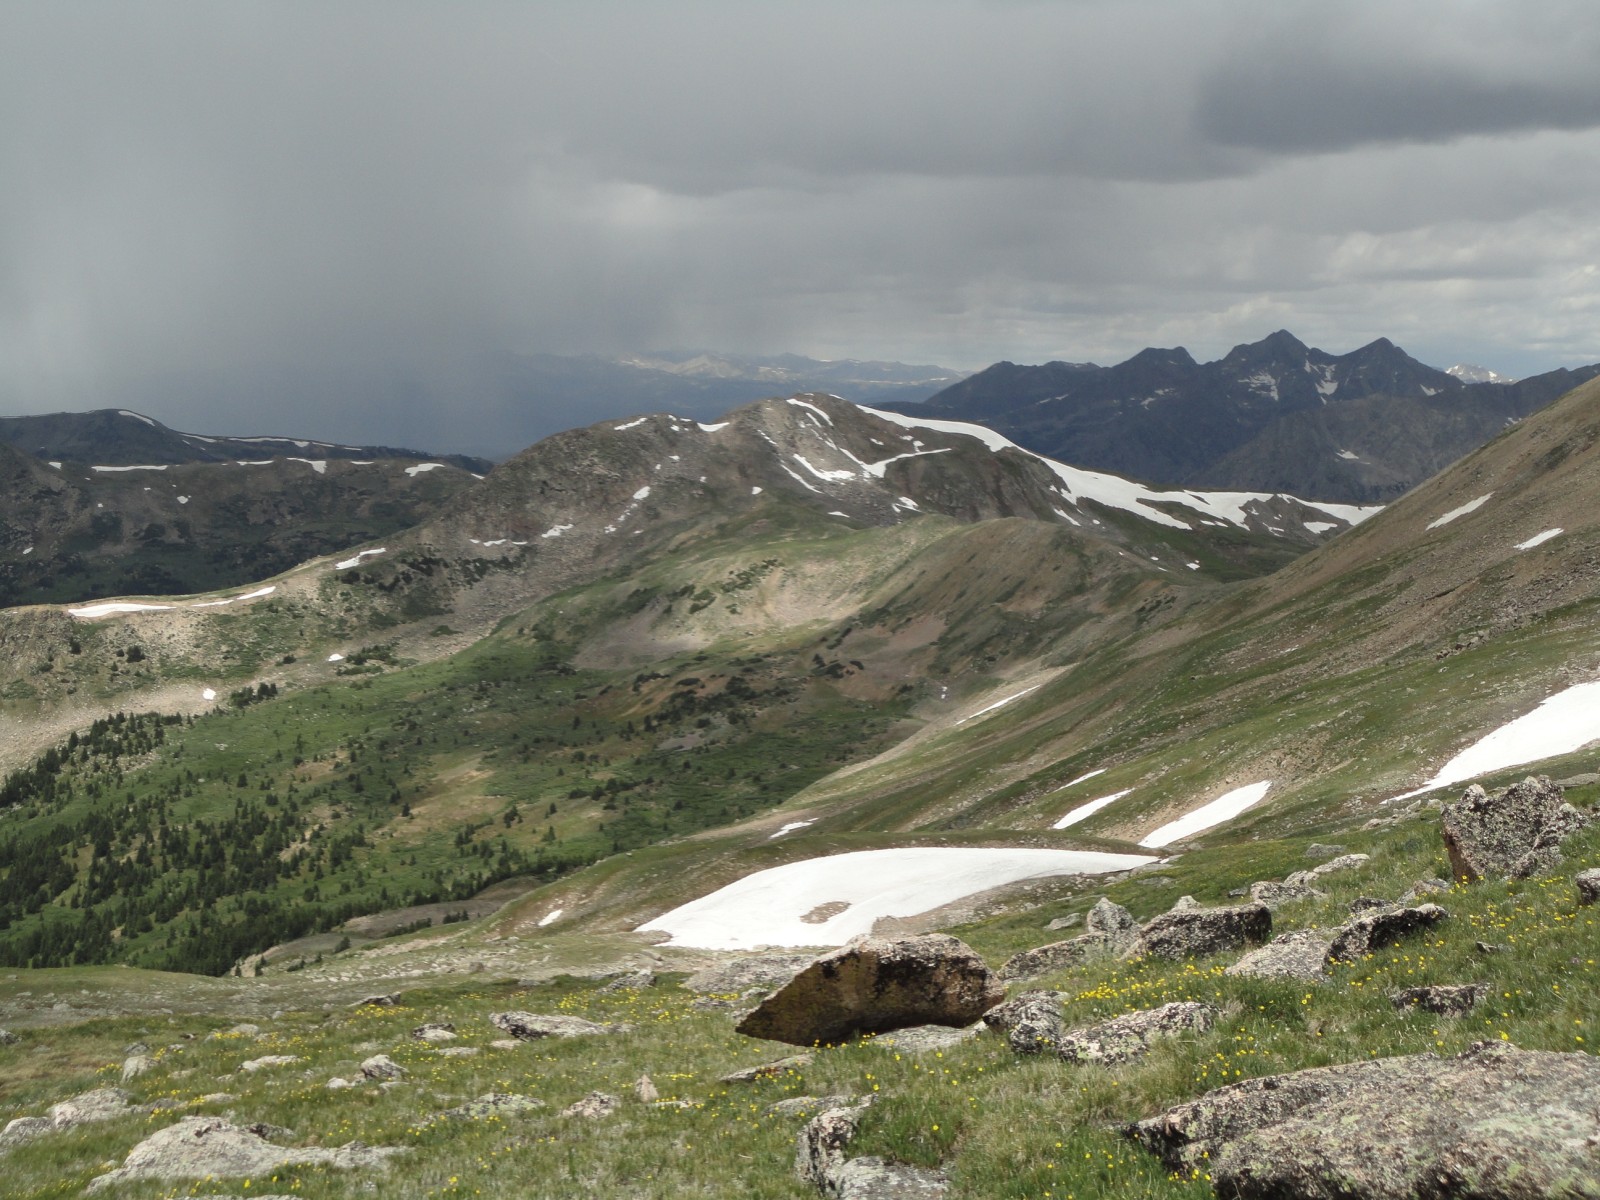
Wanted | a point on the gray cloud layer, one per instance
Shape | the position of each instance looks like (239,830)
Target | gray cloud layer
(340,219)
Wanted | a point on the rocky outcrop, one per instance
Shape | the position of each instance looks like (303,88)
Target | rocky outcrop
(1298,954)
(1192,932)
(1513,834)
(927,1039)
(381,1066)
(1128,1037)
(1041,960)
(495,1104)
(1494,1123)
(202,1147)
(530,1027)
(1031,1022)
(1384,927)
(102,1104)
(819,1148)
(874,985)
(1345,862)
(1111,921)
(819,1159)
(1441,999)
(593,1107)
(764,971)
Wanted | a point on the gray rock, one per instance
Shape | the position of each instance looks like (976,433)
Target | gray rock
(1127,1037)
(24,1129)
(1298,954)
(593,1107)
(799,1106)
(268,1060)
(1345,862)
(494,1104)
(1383,928)
(1318,850)
(926,1039)
(1186,904)
(644,1090)
(1368,904)
(1588,885)
(874,985)
(1513,834)
(770,1070)
(1112,920)
(872,1178)
(1441,999)
(102,1104)
(529,1027)
(1274,894)
(819,1148)
(1494,1123)
(1031,1022)
(1066,922)
(381,1066)
(202,1147)
(634,981)
(1041,960)
(766,971)
(1423,888)
(1202,931)
(7,1038)
(136,1065)
(383,1000)
(435,1031)
(457,1051)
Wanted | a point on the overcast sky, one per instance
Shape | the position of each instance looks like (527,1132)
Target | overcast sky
(332,218)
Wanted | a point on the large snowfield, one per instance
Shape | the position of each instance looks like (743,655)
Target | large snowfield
(767,907)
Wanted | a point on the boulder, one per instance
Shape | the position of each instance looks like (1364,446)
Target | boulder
(764,971)
(203,1147)
(593,1107)
(1273,894)
(7,1038)
(797,1106)
(1298,954)
(435,1031)
(1031,1022)
(1441,999)
(1112,921)
(1187,934)
(1513,834)
(1066,922)
(495,1104)
(136,1065)
(1319,850)
(1588,885)
(633,981)
(1382,928)
(529,1027)
(1041,960)
(253,1065)
(819,1147)
(1344,862)
(1127,1037)
(645,1091)
(819,1159)
(1423,888)
(1493,1123)
(874,985)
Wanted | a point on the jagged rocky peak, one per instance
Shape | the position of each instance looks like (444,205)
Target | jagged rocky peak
(1472,373)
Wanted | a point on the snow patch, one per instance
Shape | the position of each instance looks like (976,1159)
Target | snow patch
(634,424)
(791,827)
(766,908)
(713,428)
(1539,539)
(346,564)
(336,657)
(1567,721)
(208,694)
(261,591)
(136,416)
(878,468)
(56,465)
(1345,454)
(755,491)
(642,494)
(420,468)
(1223,808)
(1321,526)
(822,473)
(107,609)
(319,465)
(183,499)
(1469,507)
(551,917)
(997,704)
(1082,779)
(1084,811)
(140,467)
(812,407)
(556,531)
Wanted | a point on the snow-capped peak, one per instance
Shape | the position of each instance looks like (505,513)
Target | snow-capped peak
(1472,373)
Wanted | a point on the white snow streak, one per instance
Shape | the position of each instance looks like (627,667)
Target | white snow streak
(346,564)
(1223,808)
(262,591)
(1082,779)
(141,467)
(422,467)
(1539,539)
(1084,811)
(997,704)
(1469,506)
(111,607)
(791,827)
(635,423)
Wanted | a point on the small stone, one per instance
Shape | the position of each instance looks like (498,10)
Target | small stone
(268,1060)
(1066,922)
(1127,1037)
(457,1051)
(136,1065)
(1445,1000)
(1319,850)
(1367,904)
(797,1106)
(384,1000)
(136,1048)
(1424,887)
(644,1090)
(820,1145)
(505,1044)
(7,1038)
(435,1031)
(338,1084)
(795,1063)
(593,1106)
(634,981)
(1345,862)
(381,1066)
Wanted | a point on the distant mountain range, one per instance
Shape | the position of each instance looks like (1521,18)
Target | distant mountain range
(1273,415)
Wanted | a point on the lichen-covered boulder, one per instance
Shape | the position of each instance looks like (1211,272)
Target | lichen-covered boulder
(1273,894)
(1384,927)
(877,984)
(1031,1022)
(1513,834)
(1124,1038)
(1298,954)
(1192,932)
(1111,921)
(1493,1123)
(528,1027)
(1041,960)
(1441,999)
(1588,885)
(1345,862)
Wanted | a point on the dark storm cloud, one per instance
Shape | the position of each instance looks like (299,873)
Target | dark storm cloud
(351,219)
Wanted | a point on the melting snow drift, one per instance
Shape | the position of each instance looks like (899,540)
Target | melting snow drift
(1223,808)
(1085,811)
(1565,722)
(1470,506)
(768,908)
